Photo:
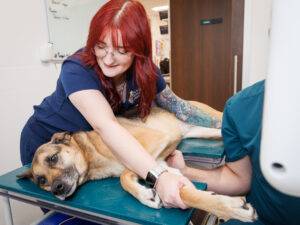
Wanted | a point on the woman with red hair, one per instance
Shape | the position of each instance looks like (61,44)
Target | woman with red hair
(113,74)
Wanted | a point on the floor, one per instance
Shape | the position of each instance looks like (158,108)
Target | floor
(23,214)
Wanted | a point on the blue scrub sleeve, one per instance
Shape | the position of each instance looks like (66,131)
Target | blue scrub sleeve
(75,77)
(232,144)
(160,83)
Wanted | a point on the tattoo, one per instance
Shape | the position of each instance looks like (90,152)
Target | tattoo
(184,110)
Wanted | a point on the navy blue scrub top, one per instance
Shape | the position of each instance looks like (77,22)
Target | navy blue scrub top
(241,130)
(56,113)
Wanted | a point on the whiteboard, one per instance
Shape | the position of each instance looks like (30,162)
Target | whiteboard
(68,24)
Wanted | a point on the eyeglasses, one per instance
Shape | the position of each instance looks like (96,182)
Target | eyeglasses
(101,50)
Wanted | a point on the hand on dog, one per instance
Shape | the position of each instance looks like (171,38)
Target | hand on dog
(176,160)
(168,186)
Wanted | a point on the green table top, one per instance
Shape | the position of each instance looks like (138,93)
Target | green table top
(105,197)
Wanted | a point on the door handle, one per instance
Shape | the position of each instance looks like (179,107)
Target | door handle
(235,70)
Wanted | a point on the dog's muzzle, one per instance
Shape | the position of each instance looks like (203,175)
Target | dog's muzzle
(65,185)
(59,188)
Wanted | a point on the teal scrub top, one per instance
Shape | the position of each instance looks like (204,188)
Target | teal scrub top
(241,130)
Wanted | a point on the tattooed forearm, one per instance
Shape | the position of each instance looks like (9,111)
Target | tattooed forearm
(185,111)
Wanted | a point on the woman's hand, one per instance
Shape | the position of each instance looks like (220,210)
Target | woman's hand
(167,187)
(176,160)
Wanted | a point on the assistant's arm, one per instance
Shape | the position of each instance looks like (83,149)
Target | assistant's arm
(233,178)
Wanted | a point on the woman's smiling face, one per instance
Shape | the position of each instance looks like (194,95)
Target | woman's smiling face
(113,61)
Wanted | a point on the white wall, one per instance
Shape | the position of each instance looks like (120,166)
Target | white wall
(24,80)
(256,40)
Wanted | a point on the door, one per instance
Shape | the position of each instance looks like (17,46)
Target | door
(206,49)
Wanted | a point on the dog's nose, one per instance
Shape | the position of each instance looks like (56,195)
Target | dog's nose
(58,188)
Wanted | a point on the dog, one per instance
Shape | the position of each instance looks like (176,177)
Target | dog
(70,160)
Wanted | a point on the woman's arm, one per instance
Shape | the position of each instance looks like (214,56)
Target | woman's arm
(97,111)
(185,111)
(231,179)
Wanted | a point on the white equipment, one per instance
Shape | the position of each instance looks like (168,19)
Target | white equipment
(280,147)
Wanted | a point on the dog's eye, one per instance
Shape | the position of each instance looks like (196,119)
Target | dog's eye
(41,180)
(52,159)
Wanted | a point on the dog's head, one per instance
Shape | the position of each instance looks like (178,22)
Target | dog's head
(58,166)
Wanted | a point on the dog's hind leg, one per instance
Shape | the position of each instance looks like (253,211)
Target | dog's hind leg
(222,206)
(203,132)
(146,196)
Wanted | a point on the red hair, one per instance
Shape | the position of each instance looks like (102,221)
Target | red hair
(130,18)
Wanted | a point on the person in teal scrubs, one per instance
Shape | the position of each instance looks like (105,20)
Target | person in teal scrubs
(241,174)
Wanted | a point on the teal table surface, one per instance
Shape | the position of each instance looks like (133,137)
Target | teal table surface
(105,197)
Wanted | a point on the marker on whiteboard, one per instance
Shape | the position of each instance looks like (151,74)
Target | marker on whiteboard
(46,52)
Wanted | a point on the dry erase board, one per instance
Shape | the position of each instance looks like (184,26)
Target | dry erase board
(68,24)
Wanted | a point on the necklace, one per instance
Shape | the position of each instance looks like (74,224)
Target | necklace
(121,89)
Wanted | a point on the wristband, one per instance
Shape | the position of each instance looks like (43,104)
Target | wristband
(153,174)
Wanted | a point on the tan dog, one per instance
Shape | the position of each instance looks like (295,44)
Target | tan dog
(68,161)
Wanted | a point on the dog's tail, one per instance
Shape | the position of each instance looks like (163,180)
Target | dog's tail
(222,206)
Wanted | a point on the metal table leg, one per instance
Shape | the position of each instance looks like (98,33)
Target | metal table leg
(7,211)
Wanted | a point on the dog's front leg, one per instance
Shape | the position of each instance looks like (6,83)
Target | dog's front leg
(147,196)
(222,206)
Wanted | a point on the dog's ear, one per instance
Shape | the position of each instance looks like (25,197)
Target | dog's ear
(61,138)
(27,174)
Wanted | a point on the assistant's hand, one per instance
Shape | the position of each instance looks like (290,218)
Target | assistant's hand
(176,160)
(168,186)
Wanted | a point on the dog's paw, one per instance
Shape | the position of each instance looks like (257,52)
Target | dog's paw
(149,197)
(236,208)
